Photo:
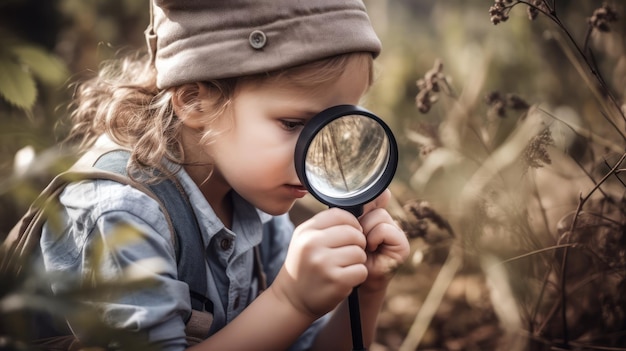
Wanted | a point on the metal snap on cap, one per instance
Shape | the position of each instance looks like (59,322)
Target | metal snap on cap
(257,39)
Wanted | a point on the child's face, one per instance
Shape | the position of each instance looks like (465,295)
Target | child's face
(255,154)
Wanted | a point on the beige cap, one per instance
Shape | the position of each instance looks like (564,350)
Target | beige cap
(199,40)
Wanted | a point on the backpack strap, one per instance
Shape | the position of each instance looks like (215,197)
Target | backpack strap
(105,164)
(25,235)
(188,241)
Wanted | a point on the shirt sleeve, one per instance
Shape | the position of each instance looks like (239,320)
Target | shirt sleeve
(276,237)
(106,230)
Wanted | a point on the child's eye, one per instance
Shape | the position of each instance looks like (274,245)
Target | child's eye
(291,124)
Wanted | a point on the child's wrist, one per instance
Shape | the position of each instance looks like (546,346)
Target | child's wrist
(283,299)
(375,286)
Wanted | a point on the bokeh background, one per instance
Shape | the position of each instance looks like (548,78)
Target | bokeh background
(511,135)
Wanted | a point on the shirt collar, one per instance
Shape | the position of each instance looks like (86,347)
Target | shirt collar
(247,220)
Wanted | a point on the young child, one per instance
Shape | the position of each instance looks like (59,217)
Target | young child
(218,105)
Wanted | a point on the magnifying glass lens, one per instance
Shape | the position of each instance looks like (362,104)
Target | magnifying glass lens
(347,157)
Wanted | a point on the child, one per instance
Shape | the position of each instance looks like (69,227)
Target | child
(218,105)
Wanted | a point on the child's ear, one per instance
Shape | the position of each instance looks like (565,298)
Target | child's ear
(187,104)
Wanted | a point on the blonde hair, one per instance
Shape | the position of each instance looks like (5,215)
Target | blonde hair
(123,102)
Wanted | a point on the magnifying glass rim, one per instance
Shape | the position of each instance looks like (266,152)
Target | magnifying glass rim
(314,126)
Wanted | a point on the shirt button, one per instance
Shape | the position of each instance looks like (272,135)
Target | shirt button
(226,244)
(257,39)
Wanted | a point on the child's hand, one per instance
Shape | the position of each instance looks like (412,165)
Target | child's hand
(387,245)
(326,259)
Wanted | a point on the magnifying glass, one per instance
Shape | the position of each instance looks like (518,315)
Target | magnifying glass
(345,157)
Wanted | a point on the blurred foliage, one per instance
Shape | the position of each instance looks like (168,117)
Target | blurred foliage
(20,64)
(66,44)
(517,151)
(509,181)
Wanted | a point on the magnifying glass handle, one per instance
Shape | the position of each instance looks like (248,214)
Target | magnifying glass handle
(355,321)
(357,210)
(353,299)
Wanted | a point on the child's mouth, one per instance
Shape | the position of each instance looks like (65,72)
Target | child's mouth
(298,191)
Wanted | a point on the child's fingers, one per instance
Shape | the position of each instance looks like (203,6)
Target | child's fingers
(380,229)
(330,218)
(352,275)
(374,217)
(333,237)
(380,202)
(341,266)
(387,239)
(346,256)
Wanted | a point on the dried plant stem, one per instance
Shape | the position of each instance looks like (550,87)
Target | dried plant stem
(582,168)
(584,53)
(598,348)
(616,177)
(586,59)
(550,14)
(433,300)
(582,346)
(536,252)
(581,203)
(581,71)
(563,300)
(498,160)
(553,7)
(539,299)
(587,37)
(593,277)
(587,134)
(605,218)
(542,209)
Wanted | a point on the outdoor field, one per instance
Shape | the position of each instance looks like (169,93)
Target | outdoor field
(510,118)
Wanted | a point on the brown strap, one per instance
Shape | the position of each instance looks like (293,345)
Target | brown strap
(21,240)
(61,343)
(199,323)
(197,327)
(258,268)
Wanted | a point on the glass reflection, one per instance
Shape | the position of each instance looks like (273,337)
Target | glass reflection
(347,156)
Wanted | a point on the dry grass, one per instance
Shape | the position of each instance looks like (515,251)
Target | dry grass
(518,232)
(522,214)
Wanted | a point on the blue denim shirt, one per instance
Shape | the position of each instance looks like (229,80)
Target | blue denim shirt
(94,213)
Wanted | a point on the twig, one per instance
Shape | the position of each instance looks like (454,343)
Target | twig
(433,300)
(581,203)
(615,168)
(590,176)
(586,133)
(618,178)
(542,209)
(592,68)
(562,301)
(535,252)
(570,55)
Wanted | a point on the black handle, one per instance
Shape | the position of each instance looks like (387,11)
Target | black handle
(355,321)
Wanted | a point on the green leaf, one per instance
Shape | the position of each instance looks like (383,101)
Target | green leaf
(44,65)
(17,86)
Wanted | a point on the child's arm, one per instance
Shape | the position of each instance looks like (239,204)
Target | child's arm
(268,323)
(326,258)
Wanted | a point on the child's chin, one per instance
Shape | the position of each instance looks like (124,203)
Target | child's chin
(276,209)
